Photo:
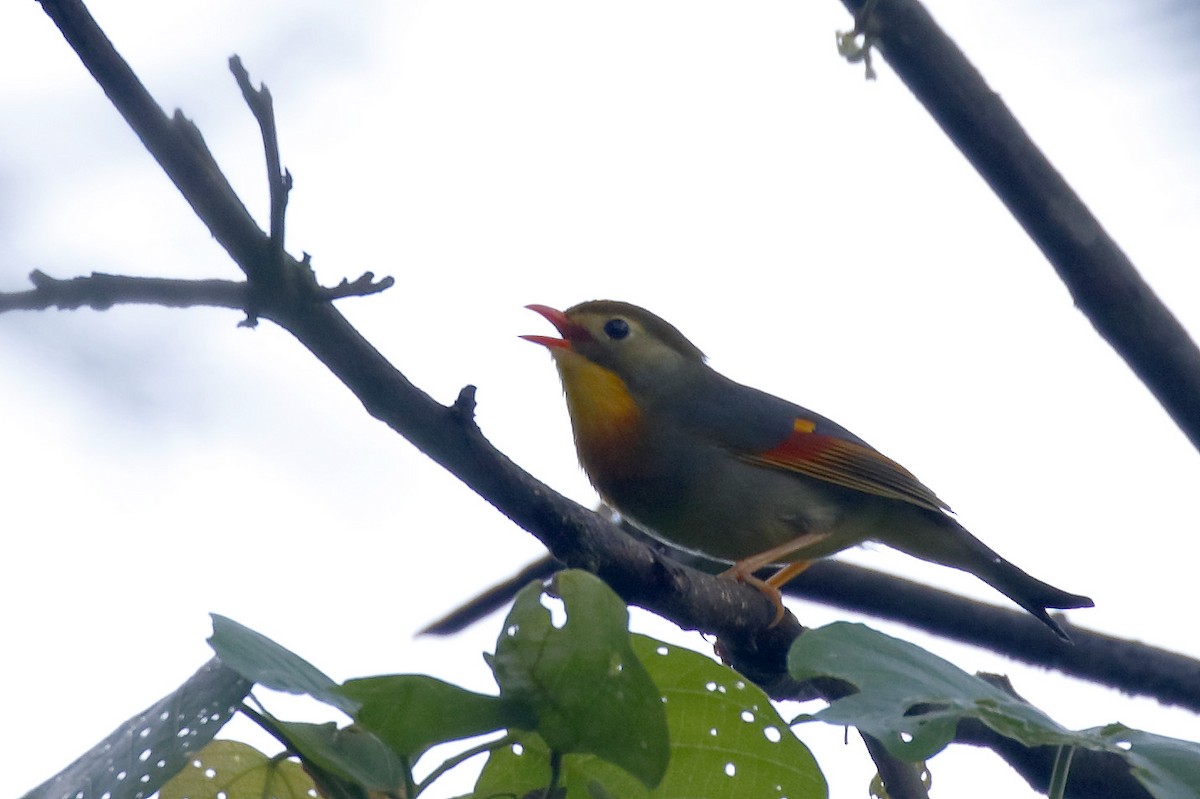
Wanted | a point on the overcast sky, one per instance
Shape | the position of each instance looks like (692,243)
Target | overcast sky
(815,234)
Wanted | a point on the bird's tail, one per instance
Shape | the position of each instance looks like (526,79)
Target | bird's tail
(952,545)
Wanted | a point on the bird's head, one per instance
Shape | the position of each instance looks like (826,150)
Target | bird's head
(647,353)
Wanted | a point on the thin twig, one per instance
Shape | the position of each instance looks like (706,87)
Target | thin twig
(101,291)
(361,287)
(174,142)
(279,181)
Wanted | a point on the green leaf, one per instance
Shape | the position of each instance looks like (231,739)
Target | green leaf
(1167,768)
(727,739)
(911,699)
(582,682)
(412,712)
(351,753)
(260,659)
(524,768)
(234,770)
(515,770)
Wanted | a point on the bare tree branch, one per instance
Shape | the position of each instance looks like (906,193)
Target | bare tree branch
(175,142)
(101,292)
(286,294)
(1132,667)
(279,181)
(1101,279)
(364,285)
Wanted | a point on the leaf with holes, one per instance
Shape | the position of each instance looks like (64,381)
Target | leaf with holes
(148,749)
(260,659)
(234,770)
(911,699)
(727,739)
(582,682)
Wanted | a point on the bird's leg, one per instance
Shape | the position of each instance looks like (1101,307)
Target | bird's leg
(780,554)
(781,577)
(767,590)
(743,570)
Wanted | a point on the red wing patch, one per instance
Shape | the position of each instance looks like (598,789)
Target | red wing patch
(848,464)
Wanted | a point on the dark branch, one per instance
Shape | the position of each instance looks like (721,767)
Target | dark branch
(1101,279)
(464,404)
(1127,665)
(1131,667)
(100,292)
(174,142)
(358,288)
(279,181)
(692,599)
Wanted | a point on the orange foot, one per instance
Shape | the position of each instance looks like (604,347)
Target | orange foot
(743,572)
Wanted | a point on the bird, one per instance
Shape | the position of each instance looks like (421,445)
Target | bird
(735,474)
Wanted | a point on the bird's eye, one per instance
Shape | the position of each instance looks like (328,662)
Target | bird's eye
(616,329)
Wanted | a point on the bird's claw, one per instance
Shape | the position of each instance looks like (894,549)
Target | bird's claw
(737,572)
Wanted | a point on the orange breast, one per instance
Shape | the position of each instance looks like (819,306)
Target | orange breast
(605,418)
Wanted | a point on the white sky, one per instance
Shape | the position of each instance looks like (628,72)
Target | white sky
(717,163)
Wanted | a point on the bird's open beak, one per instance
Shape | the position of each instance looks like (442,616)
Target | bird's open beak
(569,330)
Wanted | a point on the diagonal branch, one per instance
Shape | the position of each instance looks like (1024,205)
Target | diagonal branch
(174,142)
(1102,281)
(694,600)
